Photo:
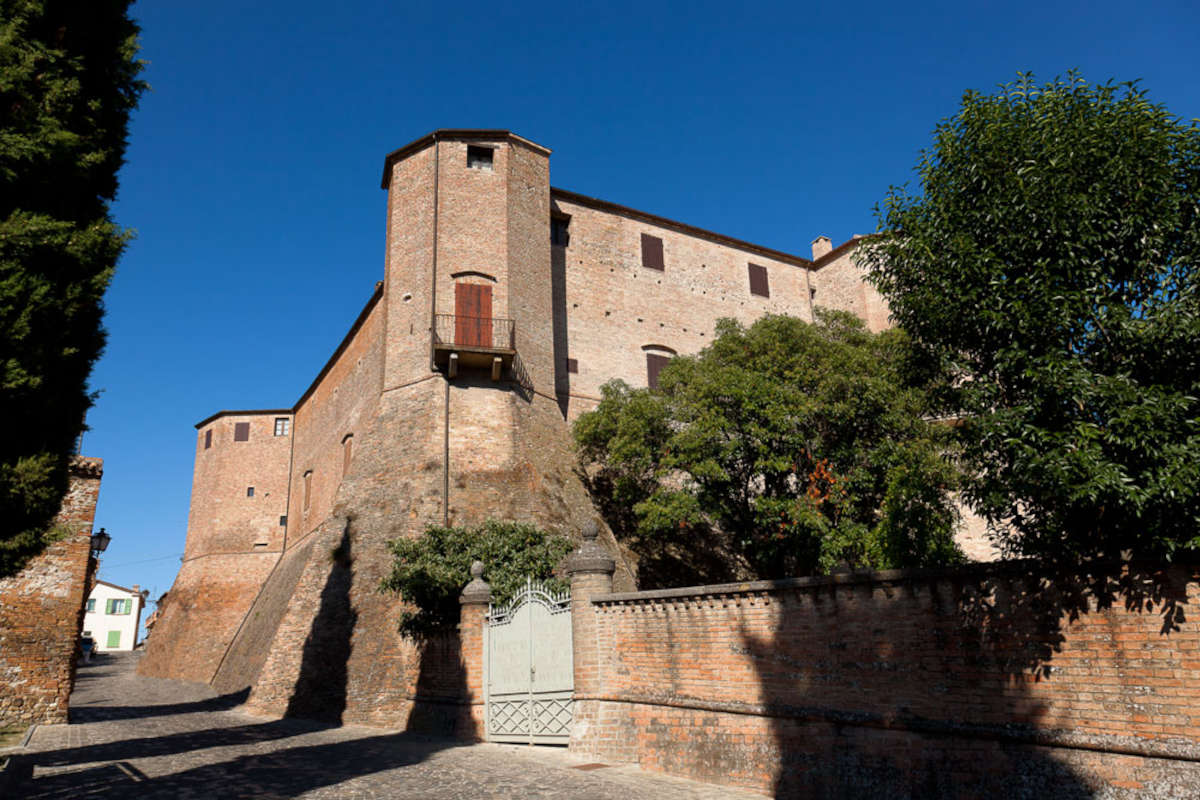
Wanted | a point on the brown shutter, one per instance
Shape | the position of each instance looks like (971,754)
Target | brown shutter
(758,281)
(472,315)
(654,365)
(652,252)
(208,438)
(241,432)
(573,365)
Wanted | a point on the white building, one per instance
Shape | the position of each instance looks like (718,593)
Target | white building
(113,614)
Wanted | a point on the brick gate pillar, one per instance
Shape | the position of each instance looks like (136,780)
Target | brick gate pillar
(472,618)
(590,569)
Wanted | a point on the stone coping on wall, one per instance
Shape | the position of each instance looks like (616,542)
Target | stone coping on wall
(993,569)
(997,568)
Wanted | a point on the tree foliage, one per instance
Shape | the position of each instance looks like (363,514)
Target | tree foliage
(791,447)
(431,570)
(68,82)
(1048,267)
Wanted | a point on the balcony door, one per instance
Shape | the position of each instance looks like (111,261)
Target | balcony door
(472,315)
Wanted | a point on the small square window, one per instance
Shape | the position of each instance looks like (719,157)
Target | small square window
(208,438)
(559,235)
(282,426)
(652,252)
(249,491)
(573,365)
(479,157)
(283,520)
(91,606)
(241,432)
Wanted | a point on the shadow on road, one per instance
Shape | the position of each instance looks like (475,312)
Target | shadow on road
(281,773)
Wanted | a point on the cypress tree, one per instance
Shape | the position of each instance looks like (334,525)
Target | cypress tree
(68,83)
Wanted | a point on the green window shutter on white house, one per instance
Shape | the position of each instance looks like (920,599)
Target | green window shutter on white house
(114,638)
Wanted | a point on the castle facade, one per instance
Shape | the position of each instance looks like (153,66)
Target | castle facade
(504,306)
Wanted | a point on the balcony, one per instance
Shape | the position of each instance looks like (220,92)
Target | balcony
(479,342)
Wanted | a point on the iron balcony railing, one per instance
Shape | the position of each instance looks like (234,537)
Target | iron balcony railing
(474,333)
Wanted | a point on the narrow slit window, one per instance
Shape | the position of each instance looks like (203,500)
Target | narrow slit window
(208,438)
(652,252)
(479,157)
(758,281)
(559,234)
(347,452)
(307,488)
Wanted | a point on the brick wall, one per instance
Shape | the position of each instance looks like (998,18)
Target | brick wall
(614,307)
(899,685)
(41,610)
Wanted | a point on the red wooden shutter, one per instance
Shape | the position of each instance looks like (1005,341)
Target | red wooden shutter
(652,252)
(654,365)
(472,315)
(758,281)
(241,432)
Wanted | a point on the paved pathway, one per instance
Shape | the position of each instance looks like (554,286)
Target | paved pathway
(141,737)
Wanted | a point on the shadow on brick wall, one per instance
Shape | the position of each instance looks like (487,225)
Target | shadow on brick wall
(439,706)
(321,686)
(937,698)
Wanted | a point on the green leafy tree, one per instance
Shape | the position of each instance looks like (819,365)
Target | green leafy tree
(791,448)
(1049,269)
(68,82)
(430,571)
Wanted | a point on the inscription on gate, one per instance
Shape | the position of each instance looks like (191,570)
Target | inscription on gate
(530,670)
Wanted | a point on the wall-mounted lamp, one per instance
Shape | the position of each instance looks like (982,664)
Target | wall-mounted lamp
(100,540)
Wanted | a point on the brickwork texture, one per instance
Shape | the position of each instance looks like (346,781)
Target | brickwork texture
(957,684)
(42,607)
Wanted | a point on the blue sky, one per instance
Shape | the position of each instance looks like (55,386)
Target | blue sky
(253,167)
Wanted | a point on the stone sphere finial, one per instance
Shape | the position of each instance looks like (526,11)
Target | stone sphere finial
(590,556)
(477,569)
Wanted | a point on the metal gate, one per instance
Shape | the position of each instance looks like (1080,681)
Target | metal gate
(529,672)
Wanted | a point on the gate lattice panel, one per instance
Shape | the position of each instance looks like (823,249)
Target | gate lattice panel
(530,670)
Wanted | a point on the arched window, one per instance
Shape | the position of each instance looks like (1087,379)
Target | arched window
(347,449)
(307,488)
(657,356)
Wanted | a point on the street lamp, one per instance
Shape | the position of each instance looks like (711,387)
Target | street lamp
(100,540)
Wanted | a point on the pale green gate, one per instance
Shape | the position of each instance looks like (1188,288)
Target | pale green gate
(529,670)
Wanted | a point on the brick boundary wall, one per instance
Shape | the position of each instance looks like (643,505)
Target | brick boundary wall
(954,683)
(41,610)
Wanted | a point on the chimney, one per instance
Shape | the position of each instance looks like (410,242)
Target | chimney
(820,246)
(136,589)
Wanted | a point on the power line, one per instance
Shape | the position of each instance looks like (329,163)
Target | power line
(146,561)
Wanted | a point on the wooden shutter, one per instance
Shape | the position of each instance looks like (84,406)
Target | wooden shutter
(654,365)
(652,252)
(472,315)
(758,281)
(208,438)
(114,639)
(241,432)
(573,365)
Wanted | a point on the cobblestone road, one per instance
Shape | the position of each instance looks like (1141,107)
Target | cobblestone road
(141,737)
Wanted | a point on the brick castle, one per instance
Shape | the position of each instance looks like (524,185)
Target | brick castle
(505,305)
